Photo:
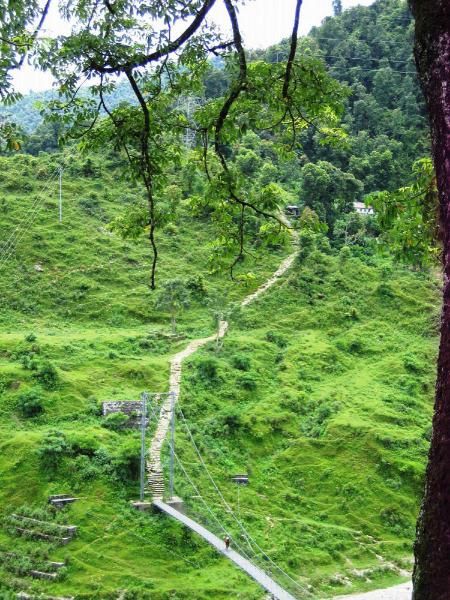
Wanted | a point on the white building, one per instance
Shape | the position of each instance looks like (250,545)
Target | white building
(362,209)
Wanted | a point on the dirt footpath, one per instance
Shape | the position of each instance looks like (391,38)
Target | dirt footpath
(399,592)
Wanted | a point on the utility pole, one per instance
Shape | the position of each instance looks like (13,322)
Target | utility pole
(144,398)
(172,445)
(60,194)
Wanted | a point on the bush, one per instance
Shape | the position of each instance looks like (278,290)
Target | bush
(396,521)
(171,229)
(276,338)
(31,337)
(115,421)
(53,449)
(127,460)
(231,421)
(344,255)
(413,364)
(197,286)
(247,382)
(241,362)
(385,291)
(30,404)
(47,376)
(208,369)
(29,362)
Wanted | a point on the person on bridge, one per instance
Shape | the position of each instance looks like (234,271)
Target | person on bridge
(227,541)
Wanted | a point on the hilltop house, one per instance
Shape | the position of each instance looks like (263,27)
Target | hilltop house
(362,209)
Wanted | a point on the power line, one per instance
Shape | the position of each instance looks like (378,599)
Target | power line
(22,229)
(347,70)
(363,58)
(11,243)
(10,240)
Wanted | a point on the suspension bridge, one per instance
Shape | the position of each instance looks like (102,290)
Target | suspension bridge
(248,553)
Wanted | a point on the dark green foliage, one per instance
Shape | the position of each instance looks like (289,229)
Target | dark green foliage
(276,338)
(52,450)
(126,460)
(207,369)
(30,403)
(247,382)
(197,286)
(115,421)
(242,362)
(47,376)
(328,191)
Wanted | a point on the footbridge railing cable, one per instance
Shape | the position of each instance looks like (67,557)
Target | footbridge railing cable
(208,508)
(250,540)
(220,525)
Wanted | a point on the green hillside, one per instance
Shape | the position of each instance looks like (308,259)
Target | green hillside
(78,327)
(321,392)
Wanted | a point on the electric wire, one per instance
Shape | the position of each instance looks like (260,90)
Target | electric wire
(11,242)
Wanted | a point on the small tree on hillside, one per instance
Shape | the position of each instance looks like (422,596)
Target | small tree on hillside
(173,297)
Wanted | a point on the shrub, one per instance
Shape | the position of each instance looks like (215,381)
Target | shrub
(231,420)
(276,338)
(84,468)
(344,255)
(413,364)
(115,421)
(53,449)
(30,404)
(241,362)
(171,229)
(47,376)
(127,460)
(395,520)
(247,382)
(29,363)
(197,286)
(93,408)
(207,369)
(385,291)
(31,337)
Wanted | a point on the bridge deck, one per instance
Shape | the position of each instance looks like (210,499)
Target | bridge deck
(257,574)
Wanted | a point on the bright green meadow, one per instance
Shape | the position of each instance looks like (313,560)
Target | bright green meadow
(321,392)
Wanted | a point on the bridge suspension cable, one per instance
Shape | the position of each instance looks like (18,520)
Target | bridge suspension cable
(208,508)
(247,536)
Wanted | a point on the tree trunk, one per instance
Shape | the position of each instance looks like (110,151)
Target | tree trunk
(432,547)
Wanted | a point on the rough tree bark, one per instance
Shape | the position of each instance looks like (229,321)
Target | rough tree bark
(432,548)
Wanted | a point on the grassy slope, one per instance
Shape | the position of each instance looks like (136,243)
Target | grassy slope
(93,317)
(323,393)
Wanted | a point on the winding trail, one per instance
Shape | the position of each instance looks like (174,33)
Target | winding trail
(155,479)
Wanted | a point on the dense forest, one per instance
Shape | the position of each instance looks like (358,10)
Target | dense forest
(369,51)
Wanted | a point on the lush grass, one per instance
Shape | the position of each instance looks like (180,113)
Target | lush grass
(76,296)
(321,392)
